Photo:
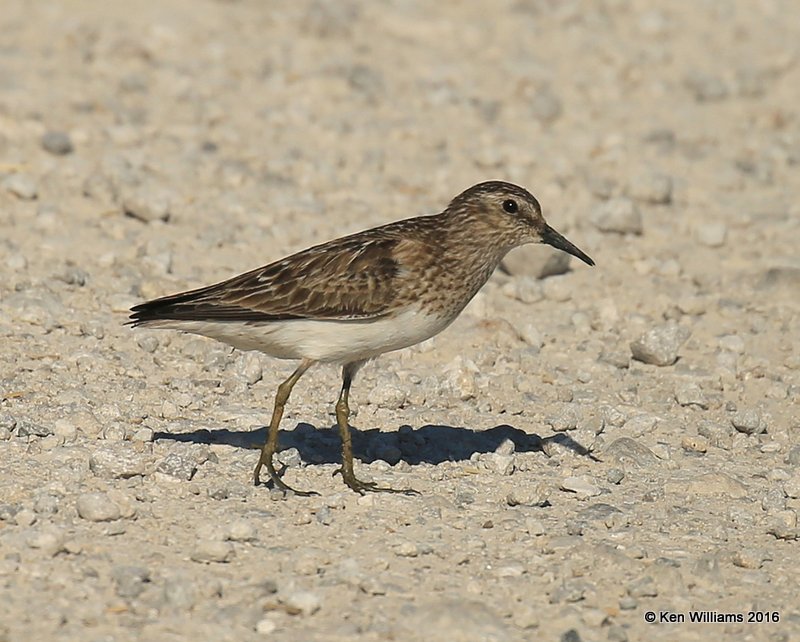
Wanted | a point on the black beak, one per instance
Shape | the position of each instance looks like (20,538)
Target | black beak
(551,237)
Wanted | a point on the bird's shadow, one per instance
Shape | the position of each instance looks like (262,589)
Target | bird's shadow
(430,444)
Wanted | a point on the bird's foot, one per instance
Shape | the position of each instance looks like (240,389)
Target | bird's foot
(275,478)
(362,487)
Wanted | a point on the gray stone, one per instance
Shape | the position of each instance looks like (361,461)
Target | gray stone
(718,435)
(783,525)
(690,394)
(793,456)
(545,105)
(50,541)
(580,485)
(25,517)
(7,421)
(302,603)
(27,428)
(565,419)
(617,216)
(250,368)
(242,530)
(705,87)
(57,142)
(209,550)
(150,204)
(147,342)
(22,186)
(615,475)
(651,187)
(454,621)
(177,466)
(500,464)
(9,511)
(659,346)
(774,500)
(116,462)
(711,234)
(46,504)
(180,593)
(706,484)
(749,421)
(630,453)
(643,587)
(792,485)
(130,580)
(97,507)
(529,495)
(290,457)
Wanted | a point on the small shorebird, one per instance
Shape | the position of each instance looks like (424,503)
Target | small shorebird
(354,298)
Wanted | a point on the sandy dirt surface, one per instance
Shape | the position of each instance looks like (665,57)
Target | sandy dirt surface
(590,446)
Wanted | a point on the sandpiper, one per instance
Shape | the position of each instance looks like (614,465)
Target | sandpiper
(354,298)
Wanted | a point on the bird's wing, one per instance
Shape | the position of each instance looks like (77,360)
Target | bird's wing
(351,278)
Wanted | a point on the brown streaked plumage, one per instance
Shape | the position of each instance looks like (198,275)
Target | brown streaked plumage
(353,298)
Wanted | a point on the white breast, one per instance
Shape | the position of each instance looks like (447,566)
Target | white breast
(326,341)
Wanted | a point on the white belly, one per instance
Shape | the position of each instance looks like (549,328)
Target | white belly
(326,341)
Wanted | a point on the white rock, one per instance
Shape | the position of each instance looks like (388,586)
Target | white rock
(207,550)
(712,234)
(302,602)
(22,186)
(617,216)
(97,507)
(580,485)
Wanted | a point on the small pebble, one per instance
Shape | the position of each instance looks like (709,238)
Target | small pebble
(406,549)
(116,463)
(46,504)
(748,421)
(659,346)
(22,186)
(783,525)
(177,466)
(242,530)
(148,205)
(653,188)
(615,475)
(49,542)
(210,550)
(302,603)
(705,87)
(130,580)
(57,142)
(147,342)
(712,234)
(545,105)
(690,394)
(643,587)
(617,216)
(25,517)
(27,428)
(266,626)
(97,507)
(529,495)
(580,485)
(500,464)
(250,368)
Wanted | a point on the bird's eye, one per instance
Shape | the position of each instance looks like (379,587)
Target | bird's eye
(510,206)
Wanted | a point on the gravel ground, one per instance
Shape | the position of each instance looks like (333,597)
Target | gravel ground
(590,444)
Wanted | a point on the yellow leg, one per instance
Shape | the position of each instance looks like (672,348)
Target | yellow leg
(342,416)
(271,444)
